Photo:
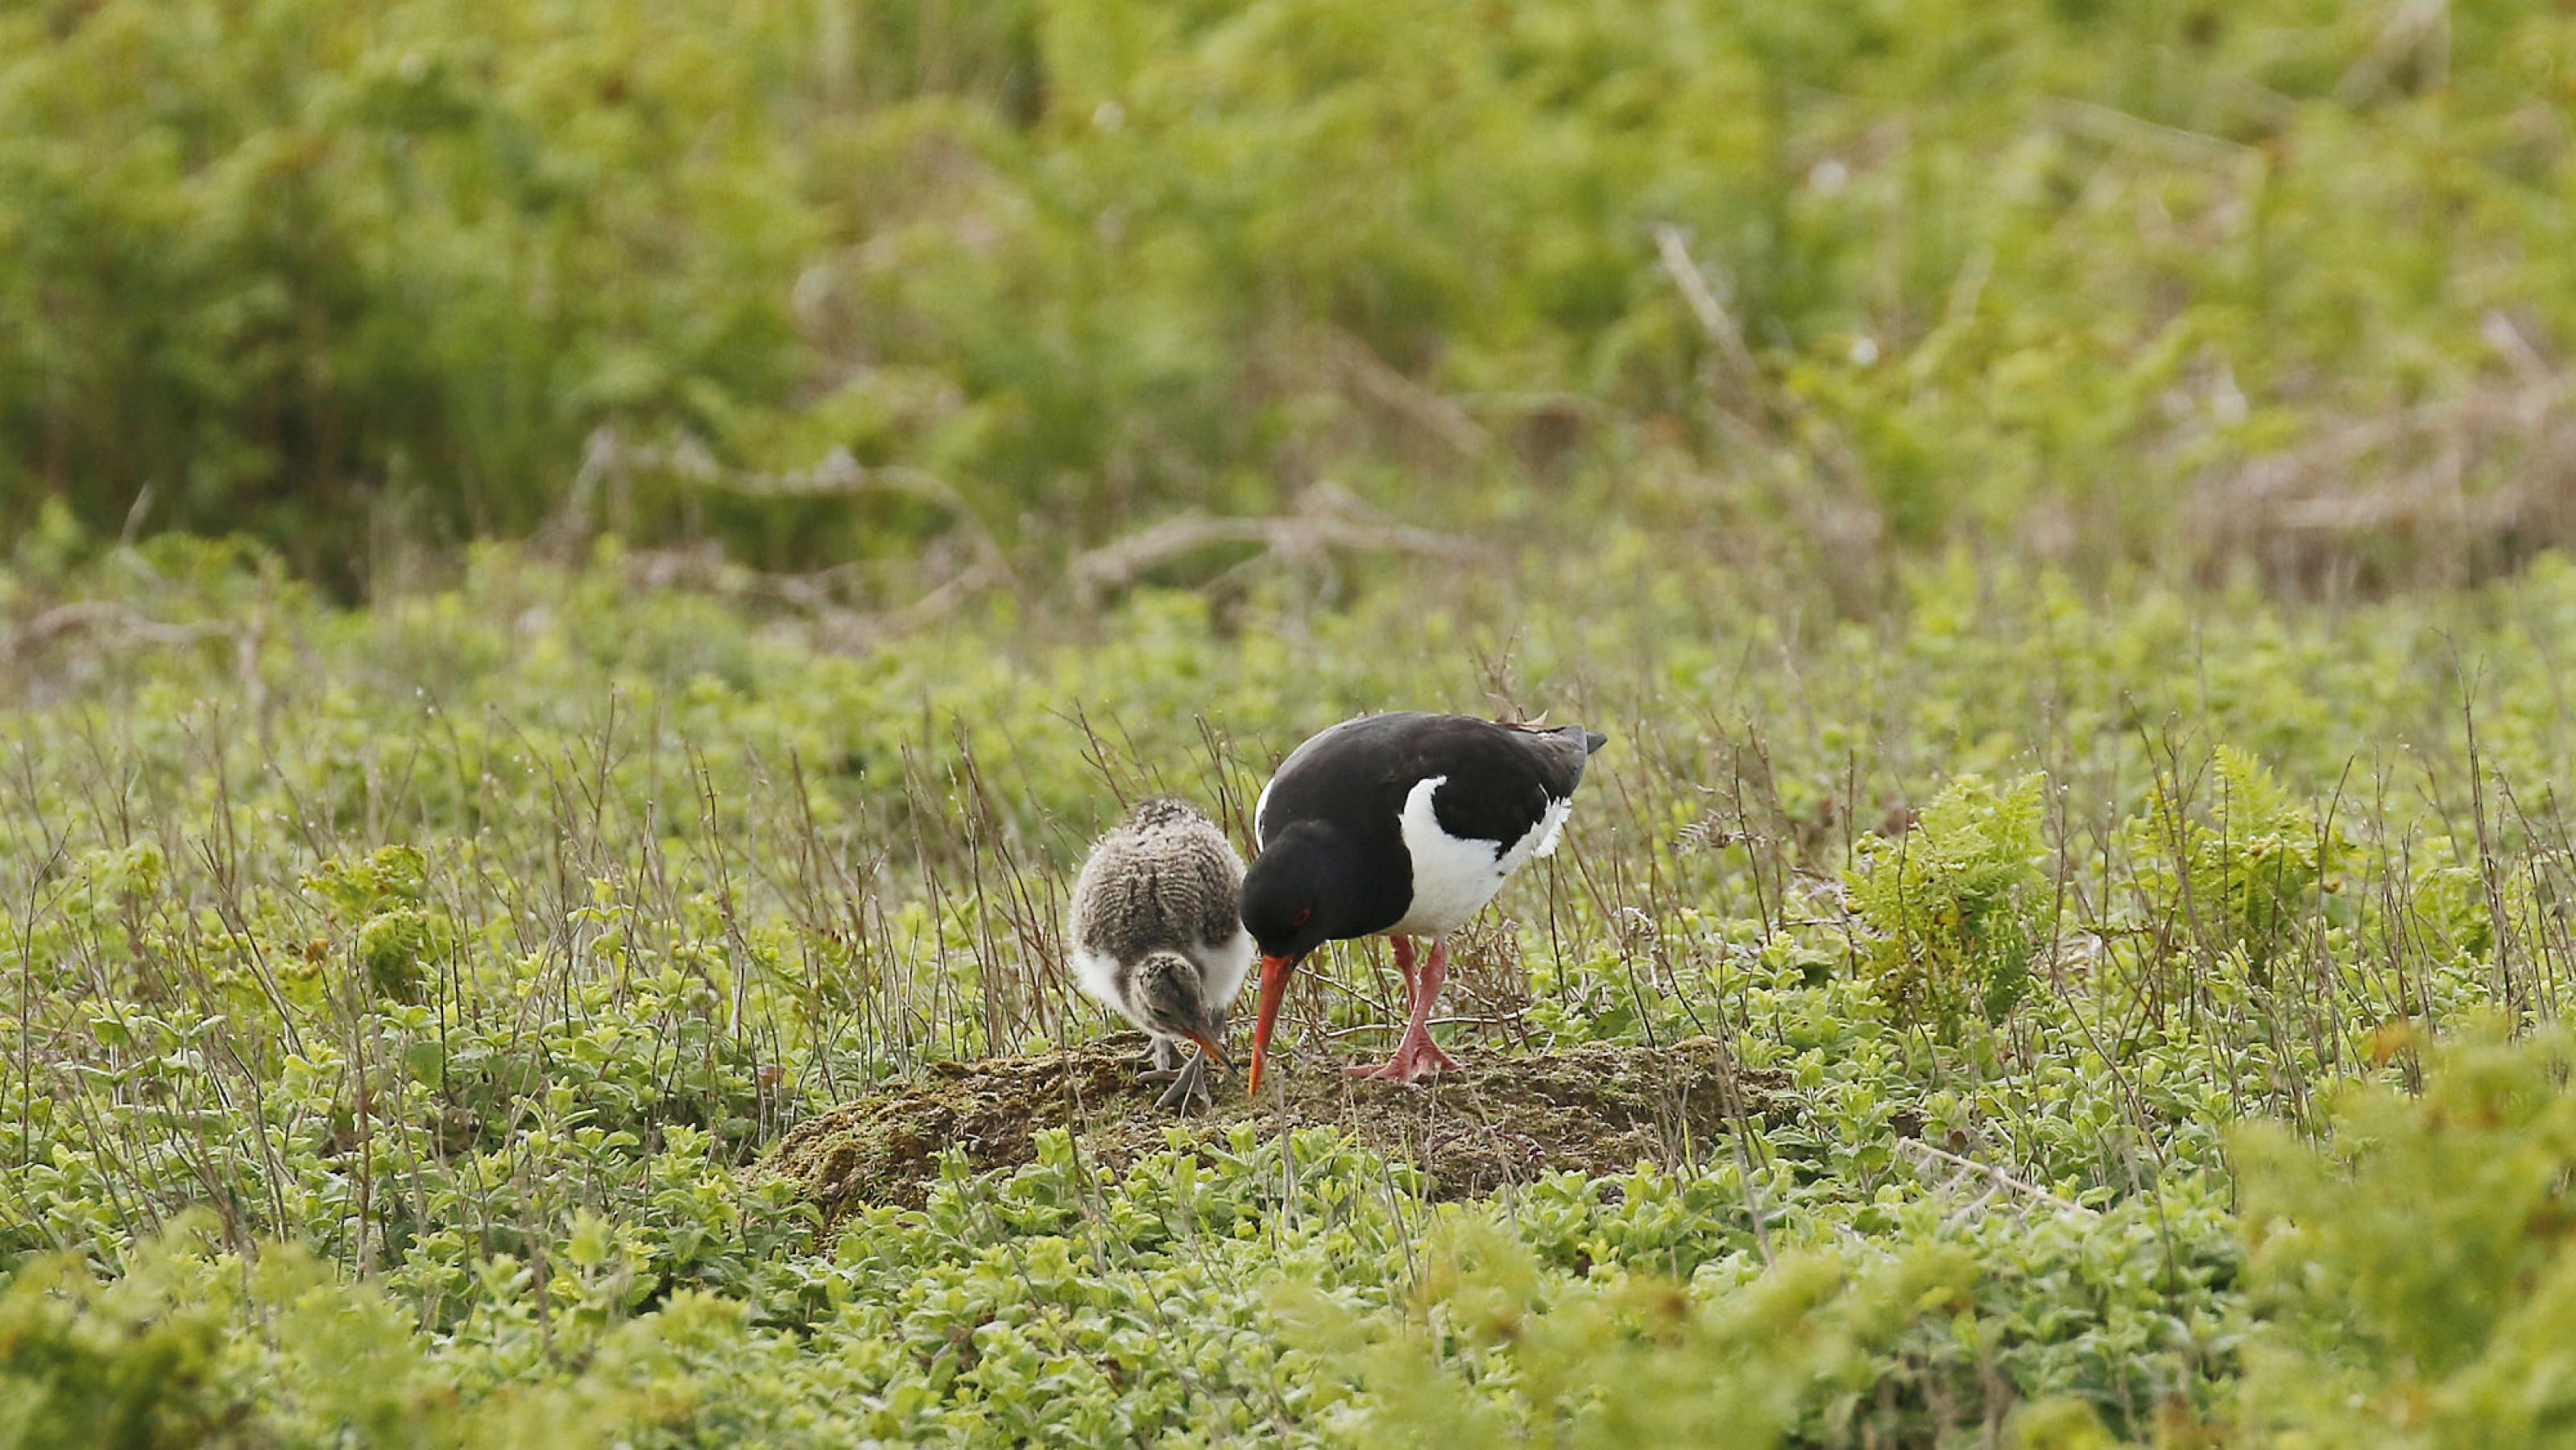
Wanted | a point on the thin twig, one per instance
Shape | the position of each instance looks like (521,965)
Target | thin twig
(1672,246)
(107,619)
(2000,1178)
(2119,128)
(1427,410)
(1327,517)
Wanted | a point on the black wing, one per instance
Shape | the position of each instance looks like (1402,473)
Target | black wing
(1501,779)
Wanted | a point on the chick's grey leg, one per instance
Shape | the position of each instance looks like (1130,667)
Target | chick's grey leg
(1189,1087)
(1163,1063)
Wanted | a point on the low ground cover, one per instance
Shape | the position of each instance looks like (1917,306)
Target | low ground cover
(404,1007)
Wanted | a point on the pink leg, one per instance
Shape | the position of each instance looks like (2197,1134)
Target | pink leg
(1404,969)
(1416,1055)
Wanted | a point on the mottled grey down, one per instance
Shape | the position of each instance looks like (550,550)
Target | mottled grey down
(1160,882)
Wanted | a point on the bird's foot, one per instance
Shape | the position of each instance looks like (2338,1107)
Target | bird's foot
(1189,1087)
(1416,1058)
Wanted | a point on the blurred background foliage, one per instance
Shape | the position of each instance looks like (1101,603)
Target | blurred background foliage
(2284,281)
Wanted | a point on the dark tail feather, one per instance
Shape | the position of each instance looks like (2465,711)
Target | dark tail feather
(1591,740)
(1587,740)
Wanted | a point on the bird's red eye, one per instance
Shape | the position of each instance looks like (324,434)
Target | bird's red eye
(1304,914)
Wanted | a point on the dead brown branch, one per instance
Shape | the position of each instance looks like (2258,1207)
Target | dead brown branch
(610,461)
(2449,491)
(2118,128)
(2417,38)
(1327,517)
(106,619)
(95,627)
(1999,1178)
(1701,293)
(1431,413)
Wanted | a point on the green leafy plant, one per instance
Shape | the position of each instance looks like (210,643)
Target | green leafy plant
(85,1363)
(1498,1351)
(2420,1265)
(1954,904)
(2246,870)
(451,967)
(827,274)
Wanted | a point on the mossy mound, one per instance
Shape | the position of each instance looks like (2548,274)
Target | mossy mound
(1595,1108)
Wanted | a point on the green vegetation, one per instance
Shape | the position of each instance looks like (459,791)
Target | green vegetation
(577,578)
(1955,905)
(2066,275)
(477,945)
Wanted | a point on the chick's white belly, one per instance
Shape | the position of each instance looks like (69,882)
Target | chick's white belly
(1097,974)
(1223,966)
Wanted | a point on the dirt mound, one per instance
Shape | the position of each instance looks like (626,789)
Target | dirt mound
(1597,1108)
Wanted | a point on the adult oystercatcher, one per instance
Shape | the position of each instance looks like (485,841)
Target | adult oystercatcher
(1401,825)
(1158,937)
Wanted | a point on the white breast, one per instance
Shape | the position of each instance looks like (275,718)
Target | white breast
(1453,878)
(1225,965)
(1097,974)
(1222,968)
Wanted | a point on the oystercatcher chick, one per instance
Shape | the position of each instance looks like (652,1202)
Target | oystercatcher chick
(1158,937)
(1402,825)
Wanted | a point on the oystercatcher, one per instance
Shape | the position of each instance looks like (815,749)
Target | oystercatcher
(1403,825)
(1158,937)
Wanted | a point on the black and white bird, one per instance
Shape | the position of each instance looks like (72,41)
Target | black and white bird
(1402,825)
(1158,936)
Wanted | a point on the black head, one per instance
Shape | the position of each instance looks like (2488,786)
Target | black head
(1288,904)
(1307,888)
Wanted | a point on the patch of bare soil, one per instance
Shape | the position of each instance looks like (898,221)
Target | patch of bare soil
(1598,1108)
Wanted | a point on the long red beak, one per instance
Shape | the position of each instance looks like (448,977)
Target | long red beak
(1274,985)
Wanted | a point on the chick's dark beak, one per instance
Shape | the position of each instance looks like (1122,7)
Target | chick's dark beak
(1207,1041)
(1274,985)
